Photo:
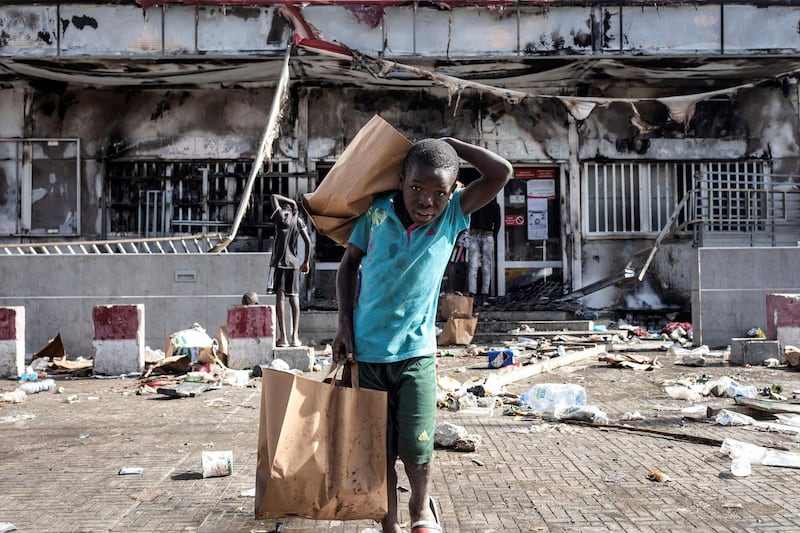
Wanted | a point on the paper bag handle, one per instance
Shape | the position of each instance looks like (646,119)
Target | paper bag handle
(349,374)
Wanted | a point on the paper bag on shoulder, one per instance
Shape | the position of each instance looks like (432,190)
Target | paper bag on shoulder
(459,329)
(321,448)
(371,164)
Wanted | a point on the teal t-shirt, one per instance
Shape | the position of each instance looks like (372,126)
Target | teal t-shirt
(401,274)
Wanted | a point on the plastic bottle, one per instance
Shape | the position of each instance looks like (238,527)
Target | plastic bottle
(547,397)
(32,387)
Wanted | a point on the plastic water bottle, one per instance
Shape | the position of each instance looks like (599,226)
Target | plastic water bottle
(547,397)
(32,387)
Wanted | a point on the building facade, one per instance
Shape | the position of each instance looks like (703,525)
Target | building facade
(638,131)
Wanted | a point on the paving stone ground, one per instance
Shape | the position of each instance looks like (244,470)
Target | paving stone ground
(59,461)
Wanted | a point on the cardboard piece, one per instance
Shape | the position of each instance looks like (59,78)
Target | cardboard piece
(371,164)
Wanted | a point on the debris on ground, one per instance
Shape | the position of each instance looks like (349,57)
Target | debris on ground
(448,435)
(659,476)
(635,362)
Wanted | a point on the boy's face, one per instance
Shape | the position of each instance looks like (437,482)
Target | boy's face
(426,190)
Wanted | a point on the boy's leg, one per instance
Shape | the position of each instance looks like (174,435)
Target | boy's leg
(416,415)
(279,315)
(389,523)
(294,303)
(419,477)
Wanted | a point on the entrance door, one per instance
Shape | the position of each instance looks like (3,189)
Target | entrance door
(530,253)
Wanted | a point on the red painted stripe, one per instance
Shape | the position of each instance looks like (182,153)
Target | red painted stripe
(250,321)
(8,324)
(114,322)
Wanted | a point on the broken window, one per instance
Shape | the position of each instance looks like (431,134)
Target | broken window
(39,187)
(166,198)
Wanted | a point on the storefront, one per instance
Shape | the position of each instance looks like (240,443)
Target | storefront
(530,251)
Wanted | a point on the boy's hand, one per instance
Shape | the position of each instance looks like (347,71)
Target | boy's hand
(304,268)
(343,346)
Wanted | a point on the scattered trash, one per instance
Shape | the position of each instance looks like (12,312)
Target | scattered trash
(194,343)
(740,466)
(760,455)
(547,397)
(771,362)
(501,358)
(586,413)
(186,390)
(732,418)
(128,471)
(7,527)
(236,378)
(468,443)
(17,396)
(249,493)
(72,399)
(217,464)
(658,475)
(725,386)
(682,392)
(636,415)
(635,362)
(446,434)
(279,364)
(613,478)
(32,387)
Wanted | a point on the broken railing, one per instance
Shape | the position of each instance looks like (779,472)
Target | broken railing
(191,244)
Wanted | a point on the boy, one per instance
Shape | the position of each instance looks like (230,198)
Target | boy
(401,247)
(286,281)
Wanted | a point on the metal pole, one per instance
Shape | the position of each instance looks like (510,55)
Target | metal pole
(264,151)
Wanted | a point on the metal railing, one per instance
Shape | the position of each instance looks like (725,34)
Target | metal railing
(191,244)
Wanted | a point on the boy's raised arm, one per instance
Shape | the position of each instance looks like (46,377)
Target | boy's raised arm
(495,173)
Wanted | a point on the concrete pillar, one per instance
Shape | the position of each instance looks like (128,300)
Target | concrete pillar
(118,343)
(251,335)
(12,341)
(300,357)
(783,318)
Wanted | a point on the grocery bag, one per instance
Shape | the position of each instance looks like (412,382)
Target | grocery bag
(321,448)
(459,329)
(371,164)
(450,303)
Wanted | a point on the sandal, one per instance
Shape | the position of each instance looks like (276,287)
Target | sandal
(425,526)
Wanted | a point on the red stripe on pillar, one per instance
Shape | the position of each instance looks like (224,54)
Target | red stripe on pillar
(250,321)
(112,322)
(8,324)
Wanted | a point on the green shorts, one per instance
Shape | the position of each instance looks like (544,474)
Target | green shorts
(411,385)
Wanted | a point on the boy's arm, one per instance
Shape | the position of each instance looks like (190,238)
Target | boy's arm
(305,267)
(346,289)
(277,200)
(495,173)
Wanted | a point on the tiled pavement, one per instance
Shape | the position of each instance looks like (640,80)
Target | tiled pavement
(59,468)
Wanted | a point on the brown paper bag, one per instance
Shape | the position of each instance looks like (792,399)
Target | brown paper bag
(321,449)
(371,164)
(459,329)
(450,303)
